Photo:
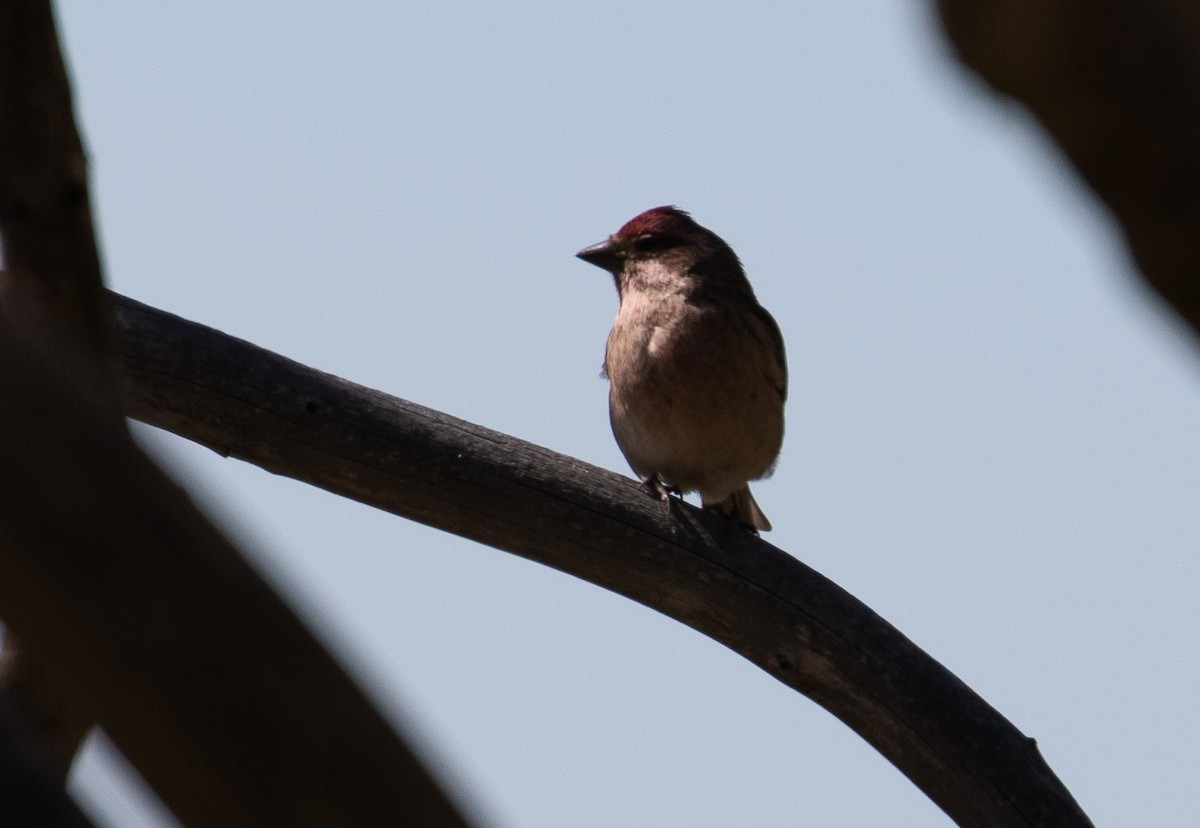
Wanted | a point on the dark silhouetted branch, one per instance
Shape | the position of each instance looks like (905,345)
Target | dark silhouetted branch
(245,402)
(130,609)
(1117,85)
(45,211)
(131,600)
(53,276)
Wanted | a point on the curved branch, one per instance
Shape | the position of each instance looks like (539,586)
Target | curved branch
(246,402)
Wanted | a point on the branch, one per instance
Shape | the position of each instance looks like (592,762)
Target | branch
(53,279)
(45,212)
(1117,84)
(152,622)
(246,402)
(132,608)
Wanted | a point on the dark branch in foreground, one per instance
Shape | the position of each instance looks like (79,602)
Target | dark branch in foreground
(54,274)
(246,402)
(45,210)
(129,607)
(1117,84)
(147,618)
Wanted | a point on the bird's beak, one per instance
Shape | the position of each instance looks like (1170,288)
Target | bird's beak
(602,255)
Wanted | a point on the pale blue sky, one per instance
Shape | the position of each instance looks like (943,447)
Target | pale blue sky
(992,432)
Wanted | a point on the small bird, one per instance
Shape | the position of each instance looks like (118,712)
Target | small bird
(697,369)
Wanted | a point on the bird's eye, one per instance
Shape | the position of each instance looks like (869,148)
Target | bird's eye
(647,243)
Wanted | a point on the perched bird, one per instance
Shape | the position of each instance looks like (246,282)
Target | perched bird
(697,369)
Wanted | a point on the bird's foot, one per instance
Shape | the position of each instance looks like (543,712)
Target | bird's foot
(657,488)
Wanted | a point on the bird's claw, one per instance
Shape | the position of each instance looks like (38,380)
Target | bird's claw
(655,487)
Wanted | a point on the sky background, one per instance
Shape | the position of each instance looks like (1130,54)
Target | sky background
(992,429)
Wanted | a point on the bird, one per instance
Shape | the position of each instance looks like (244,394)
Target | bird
(697,368)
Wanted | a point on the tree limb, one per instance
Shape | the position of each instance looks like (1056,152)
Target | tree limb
(137,607)
(246,402)
(132,609)
(1117,84)
(45,211)
(53,279)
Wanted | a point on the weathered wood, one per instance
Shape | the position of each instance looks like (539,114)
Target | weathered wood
(136,606)
(1117,85)
(245,402)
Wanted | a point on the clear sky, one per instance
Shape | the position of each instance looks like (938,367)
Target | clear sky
(992,430)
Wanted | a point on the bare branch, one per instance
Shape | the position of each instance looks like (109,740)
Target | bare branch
(153,623)
(246,402)
(1117,84)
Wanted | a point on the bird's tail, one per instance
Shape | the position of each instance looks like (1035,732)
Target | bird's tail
(741,505)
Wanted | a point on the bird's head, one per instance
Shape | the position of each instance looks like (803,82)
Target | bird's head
(664,244)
